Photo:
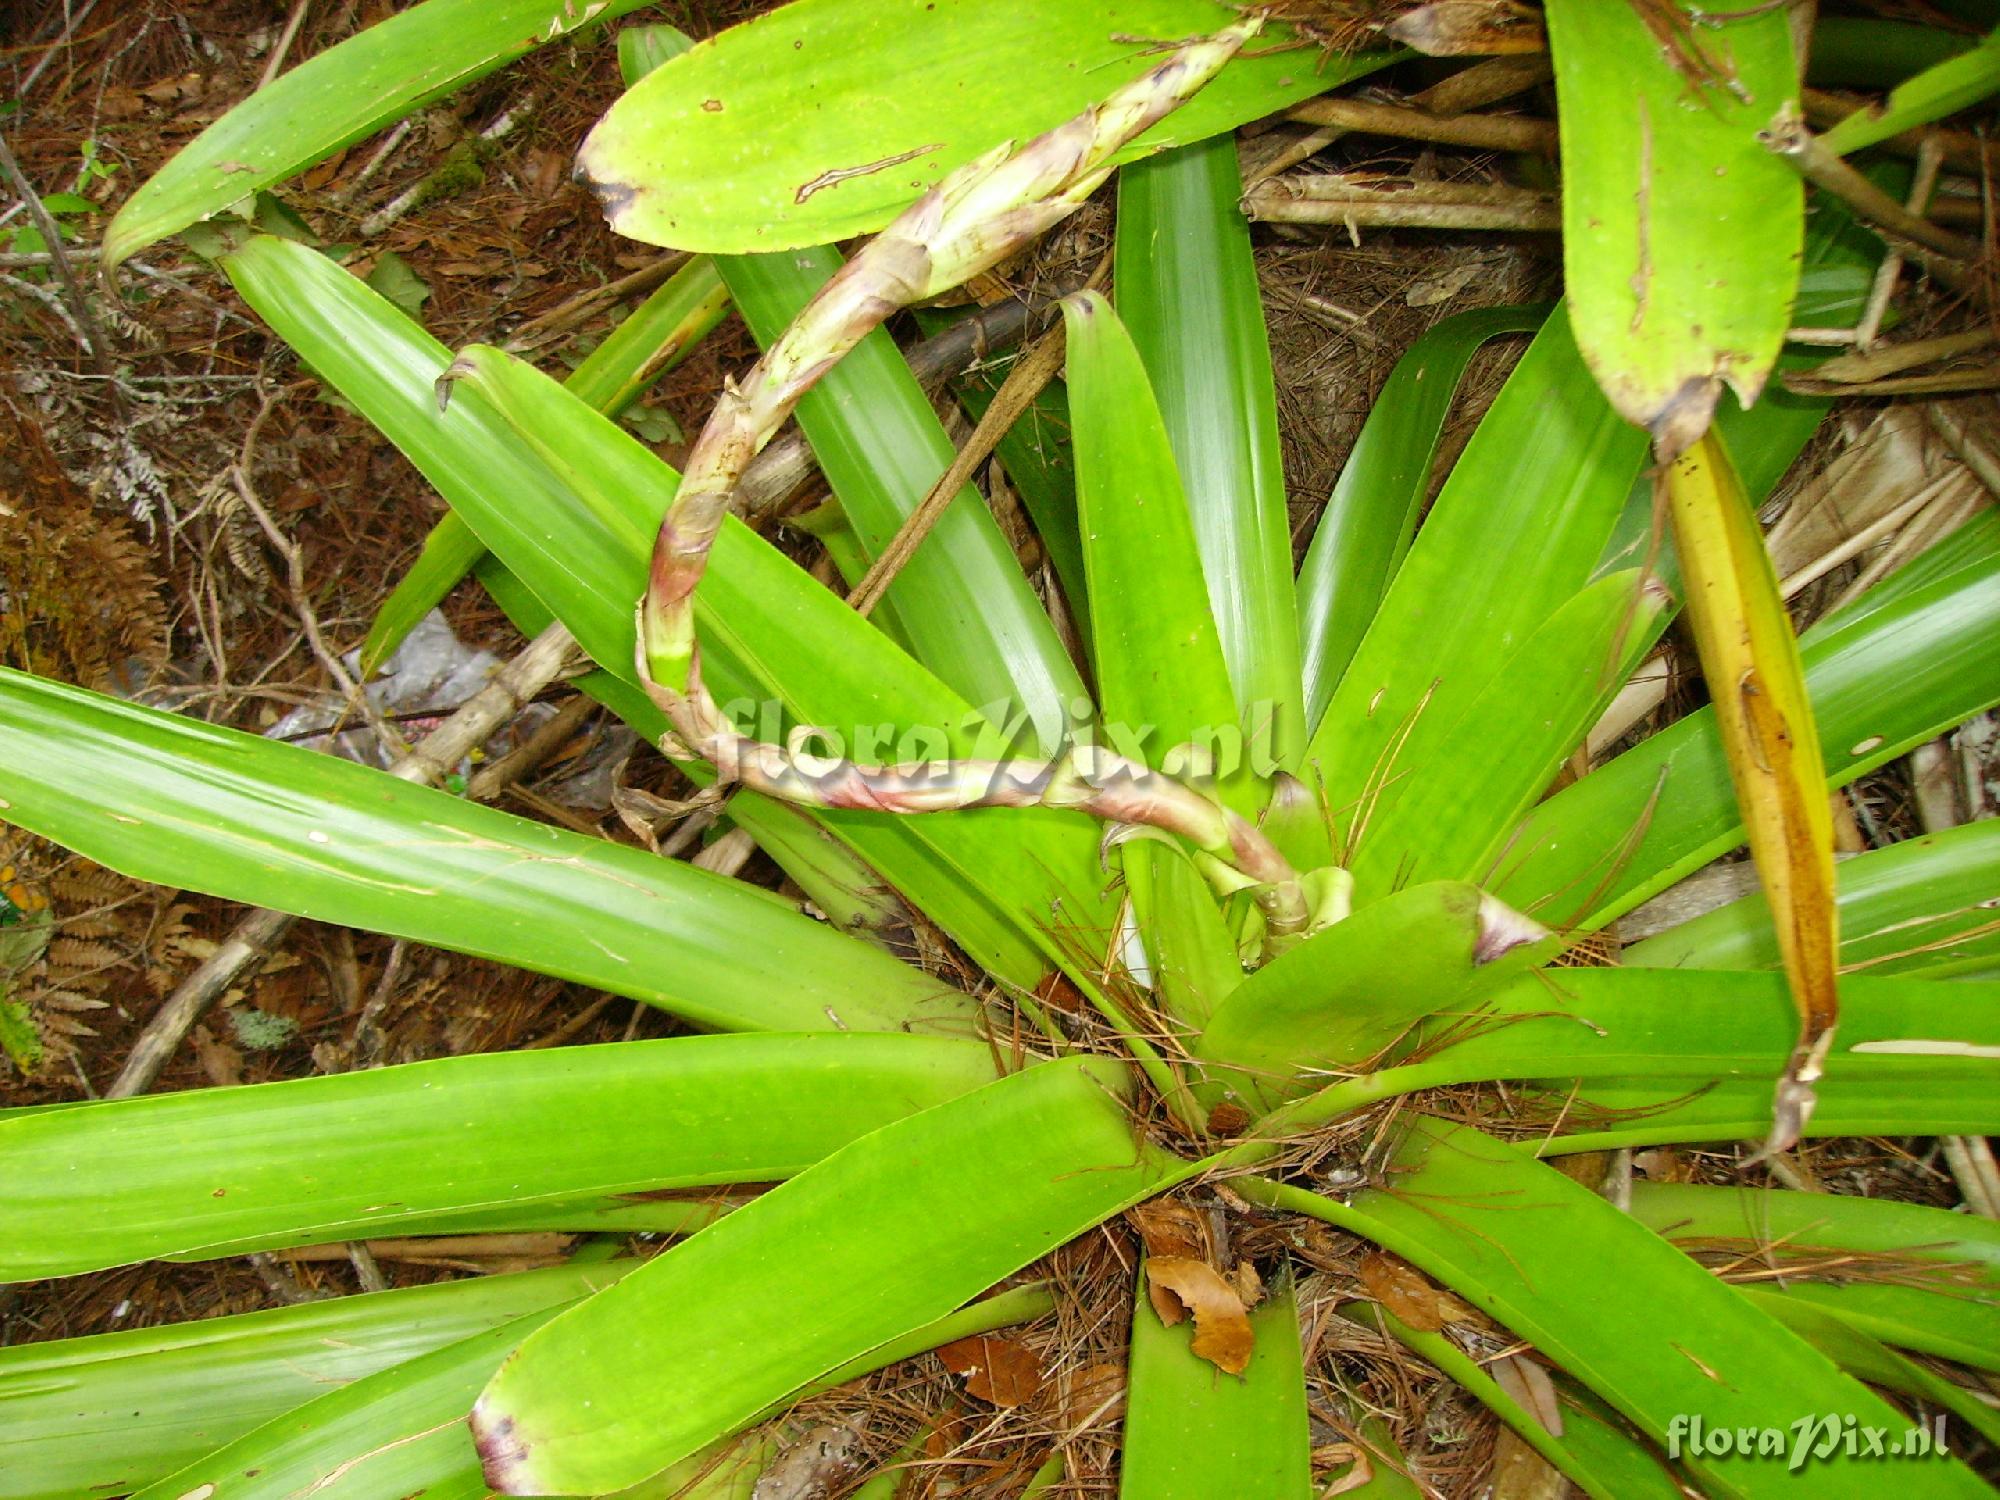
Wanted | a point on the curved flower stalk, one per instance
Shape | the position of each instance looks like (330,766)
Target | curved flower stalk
(974,218)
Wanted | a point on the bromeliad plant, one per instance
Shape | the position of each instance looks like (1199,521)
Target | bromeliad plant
(1299,966)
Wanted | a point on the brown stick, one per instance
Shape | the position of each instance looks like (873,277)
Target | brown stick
(1475,87)
(1482,132)
(776,474)
(95,346)
(1894,359)
(1890,272)
(1944,383)
(1334,198)
(1948,256)
(1031,372)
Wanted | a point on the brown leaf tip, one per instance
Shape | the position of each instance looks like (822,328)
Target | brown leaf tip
(1502,930)
(1684,417)
(503,1453)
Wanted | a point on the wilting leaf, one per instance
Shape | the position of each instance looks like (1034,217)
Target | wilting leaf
(1751,661)
(1001,1371)
(1409,1294)
(1221,1322)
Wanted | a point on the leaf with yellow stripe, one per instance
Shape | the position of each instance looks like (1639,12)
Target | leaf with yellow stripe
(1751,661)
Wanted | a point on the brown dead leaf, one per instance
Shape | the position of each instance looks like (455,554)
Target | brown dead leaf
(1091,1394)
(318,177)
(1221,1323)
(996,1370)
(221,1062)
(1459,28)
(1528,1383)
(1249,1285)
(1170,1227)
(1408,1293)
(1228,1119)
(546,171)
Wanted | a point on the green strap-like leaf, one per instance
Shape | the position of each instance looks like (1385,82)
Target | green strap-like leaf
(962,596)
(332,100)
(1940,90)
(1193,1433)
(897,93)
(1035,453)
(1604,1114)
(400,1431)
(1634,1023)
(1632,1069)
(107,1414)
(1187,291)
(1347,992)
(1798,1223)
(1921,907)
(1597,1452)
(1866,1357)
(1363,534)
(874,1241)
(1193,955)
(135,1178)
(1463,602)
(1660,112)
(191,805)
(1952,1322)
(403,1431)
(581,533)
(1883,676)
(1637,1322)
(1471,783)
(1160,670)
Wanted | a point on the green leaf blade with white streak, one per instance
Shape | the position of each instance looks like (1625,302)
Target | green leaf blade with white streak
(877,1239)
(1681,233)
(1921,907)
(1159,660)
(1363,534)
(1187,292)
(1645,1328)
(969,611)
(345,93)
(132,1179)
(1463,803)
(1192,1432)
(112,1412)
(1693,1214)
(897,93)
(1912,658)
(182,803)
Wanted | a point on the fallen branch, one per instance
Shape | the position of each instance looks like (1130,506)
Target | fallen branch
(1397,202)
(1481,132)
